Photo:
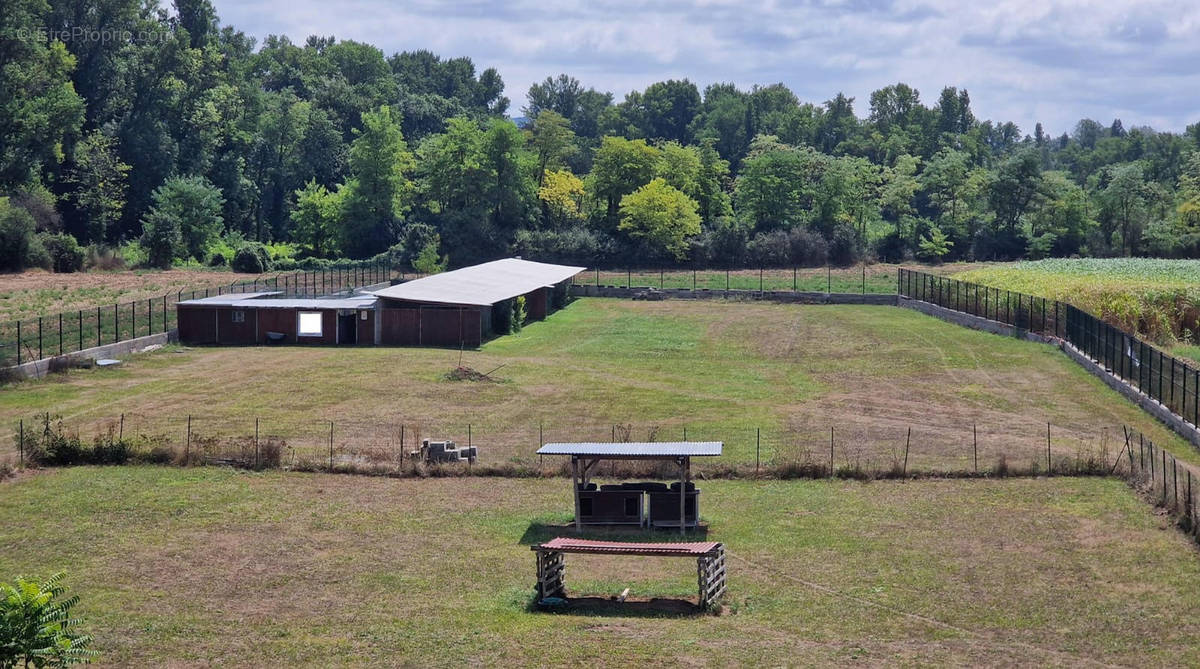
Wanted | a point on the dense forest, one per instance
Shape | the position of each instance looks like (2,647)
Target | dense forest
(132,133)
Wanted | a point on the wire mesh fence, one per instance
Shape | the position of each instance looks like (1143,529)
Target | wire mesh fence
(30,339)
(857,279)
(856,450)
(1172,382)
(1165,480)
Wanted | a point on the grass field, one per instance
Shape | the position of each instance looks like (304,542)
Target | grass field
(1156,298)
(878,278)
(212,566)
(768,379)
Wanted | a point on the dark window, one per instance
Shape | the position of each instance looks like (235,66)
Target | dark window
(631,505)
(239,316)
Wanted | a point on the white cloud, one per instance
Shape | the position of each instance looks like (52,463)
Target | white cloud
(1053,61)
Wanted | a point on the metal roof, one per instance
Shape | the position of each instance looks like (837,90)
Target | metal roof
(481,285)
(362,302)
(636,449)
(227,298)
(570,545)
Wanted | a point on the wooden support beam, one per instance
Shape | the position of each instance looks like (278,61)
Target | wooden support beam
(575,490)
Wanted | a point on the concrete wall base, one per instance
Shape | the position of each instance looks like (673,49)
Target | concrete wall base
(39,368)
(782,296)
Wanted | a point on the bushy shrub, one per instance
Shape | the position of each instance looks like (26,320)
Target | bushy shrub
(251,258)
(502,317)
(48,443)
(37,255)
(770,249)
(65,253)
(843,246)
(103,258)
(16,236)
(217,259)
(37,627)
(519,314)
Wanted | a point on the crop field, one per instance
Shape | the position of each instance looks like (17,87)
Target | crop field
(214,566)
(37,292)
(1156,298)
(774,382)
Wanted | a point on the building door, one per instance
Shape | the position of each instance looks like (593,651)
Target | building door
(348,329)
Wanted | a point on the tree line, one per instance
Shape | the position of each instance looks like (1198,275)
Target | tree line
(134,132)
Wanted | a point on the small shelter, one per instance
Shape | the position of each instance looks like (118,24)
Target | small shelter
(674,506)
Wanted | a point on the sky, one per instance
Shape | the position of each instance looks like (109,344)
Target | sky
(1024,61)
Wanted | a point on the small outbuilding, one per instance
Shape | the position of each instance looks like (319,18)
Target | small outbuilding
(465,303)
(648,504)
(453,309)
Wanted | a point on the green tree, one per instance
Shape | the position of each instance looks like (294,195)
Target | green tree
(379,192)
(187,209)
(562,195)
(934,246)
(40,112)
(315,219)
(1125,197)
(711,195)
(621,166)
(553,141)
(428,261)
(662,217)
(36,627)
(98,181)
(511,188)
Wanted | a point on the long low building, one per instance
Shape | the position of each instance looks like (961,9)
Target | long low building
(449,309)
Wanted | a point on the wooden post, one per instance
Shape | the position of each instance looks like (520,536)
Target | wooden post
(121,433)
(682,495)
(907,440)
(831,451)
(575,490)
(757,448)
(975,437)
(1174,483)
(331,446)
(256,442)
(401,445)
(1048,465)
(187,449)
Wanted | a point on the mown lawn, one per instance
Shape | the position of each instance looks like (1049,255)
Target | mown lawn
(215,566)
(770,380)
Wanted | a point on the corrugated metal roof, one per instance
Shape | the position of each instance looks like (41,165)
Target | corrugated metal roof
(364,302)
(227,298)
(481,285)
(664,449)
(569,545)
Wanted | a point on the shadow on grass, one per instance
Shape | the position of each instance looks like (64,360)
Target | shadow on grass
(606,607)
(539,532)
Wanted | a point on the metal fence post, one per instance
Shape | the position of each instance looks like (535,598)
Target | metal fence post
(81,329)
(830,451)
(331,446)
(18,341)
(757,448)
(21,442)
(60,333)
(187,449)
(40,356)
